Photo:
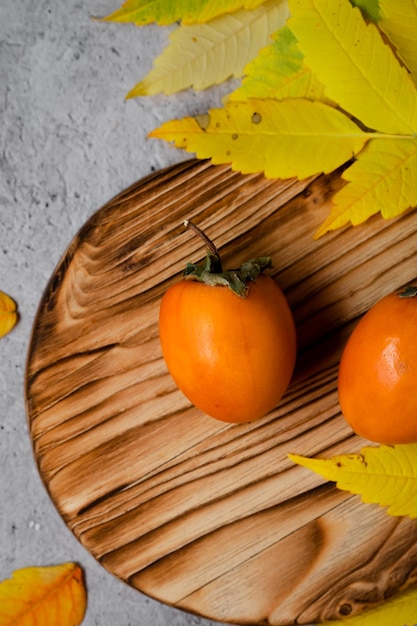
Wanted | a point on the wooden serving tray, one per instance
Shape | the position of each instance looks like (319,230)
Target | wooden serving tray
(201,515)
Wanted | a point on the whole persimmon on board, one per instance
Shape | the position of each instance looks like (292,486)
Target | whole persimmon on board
(377,381)
(228,337)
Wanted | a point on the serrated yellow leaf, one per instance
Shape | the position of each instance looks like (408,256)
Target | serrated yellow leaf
(202,55)
(43,596)
(8,314)
(382,179)
(384,475)
(283,139)
(279,72)
(142,12)
(399,610)
(399,22)
(360,72)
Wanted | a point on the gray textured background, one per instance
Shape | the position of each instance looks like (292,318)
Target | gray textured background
(69,142)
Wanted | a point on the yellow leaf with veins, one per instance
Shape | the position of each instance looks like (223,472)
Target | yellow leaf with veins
(201,55)
(283,139)
(279,72)
(399,22)
(358,69)
(384,475)
(43,596)
(382,179)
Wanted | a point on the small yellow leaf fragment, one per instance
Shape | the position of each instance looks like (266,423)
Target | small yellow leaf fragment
(8,313)
(141,12)
(278,71)
(384,475)
(44,596)
(399,22)
(399,610)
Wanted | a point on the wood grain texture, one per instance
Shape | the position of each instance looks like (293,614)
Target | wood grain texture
(205,516)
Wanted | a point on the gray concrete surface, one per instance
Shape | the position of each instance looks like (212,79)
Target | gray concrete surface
(69,142)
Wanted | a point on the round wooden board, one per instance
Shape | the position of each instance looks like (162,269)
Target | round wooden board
(205,516)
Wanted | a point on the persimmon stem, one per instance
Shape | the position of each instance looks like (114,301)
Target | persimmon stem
(210,272)
(209,244)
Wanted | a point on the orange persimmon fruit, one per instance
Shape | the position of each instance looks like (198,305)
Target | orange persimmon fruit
(228,337)
(377,380)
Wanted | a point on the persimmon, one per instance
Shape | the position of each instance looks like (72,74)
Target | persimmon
(377,380)
(228,337)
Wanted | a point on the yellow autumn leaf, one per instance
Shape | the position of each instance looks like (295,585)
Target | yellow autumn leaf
(399,22)
(202,55)
(43,596)
(399,610)
(279,72)
(283,139)
(384,475)
(8,313)
(164,12)
(360,72)
(382,179)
